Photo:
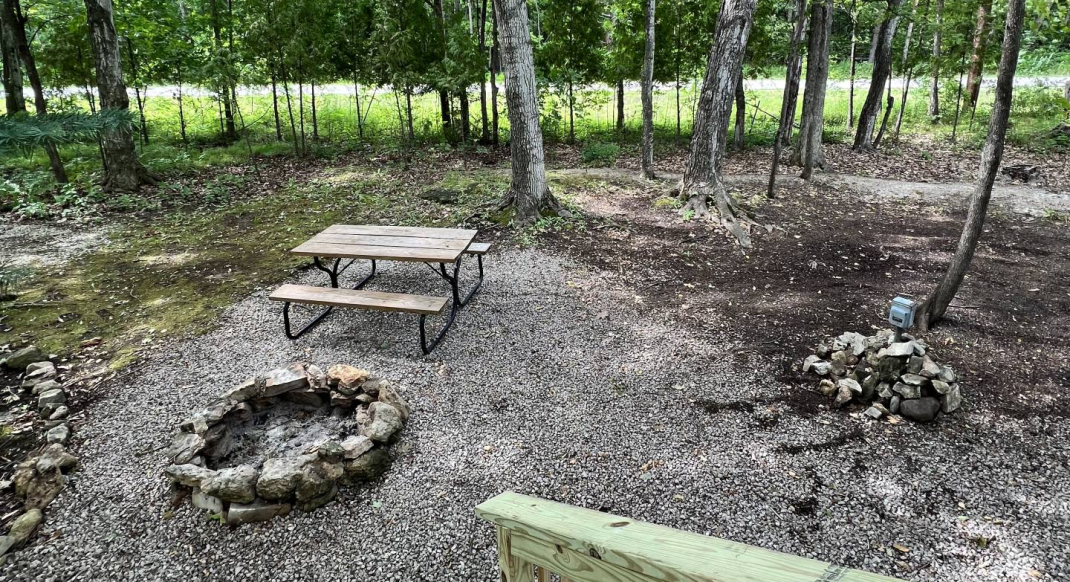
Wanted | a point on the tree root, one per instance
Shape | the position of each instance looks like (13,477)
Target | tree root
(730,216)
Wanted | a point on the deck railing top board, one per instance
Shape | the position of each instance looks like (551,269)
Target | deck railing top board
(656,551)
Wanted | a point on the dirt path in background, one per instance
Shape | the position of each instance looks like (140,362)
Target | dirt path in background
(36,244)
(1018,199)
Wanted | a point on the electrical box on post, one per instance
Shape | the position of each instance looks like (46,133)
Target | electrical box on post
(901,313)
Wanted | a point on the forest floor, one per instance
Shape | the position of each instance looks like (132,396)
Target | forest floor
(626,360)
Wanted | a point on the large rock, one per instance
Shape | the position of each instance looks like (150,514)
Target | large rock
(55,456)
(52,398)
(240,513)
(946,374)
(941,387)
(385,422)
(907,391)
(44,386)
(888,369)
(212,505)
(899,349)
(246,390)
(22,529)
(843,395)
(369,466)
(951,401)
(282,380)
(346,379)
(280,476)
(920,409)
(854,342)
(20,359)
(356,445)
(58,434)
(827,387)
(185,446)
(389,394)
(236,484)
(839,363)
(915,379)
(317,379)
(929,368)
(318,485)
(208,417)
(37,374)
(188,474)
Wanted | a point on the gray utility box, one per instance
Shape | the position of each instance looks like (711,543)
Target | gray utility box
(901,314)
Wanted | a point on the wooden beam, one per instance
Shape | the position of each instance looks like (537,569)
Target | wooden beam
(649,550)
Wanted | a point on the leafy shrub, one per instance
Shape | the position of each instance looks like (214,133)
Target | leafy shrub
(600,153)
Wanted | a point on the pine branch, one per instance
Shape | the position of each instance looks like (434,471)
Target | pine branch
(26,132)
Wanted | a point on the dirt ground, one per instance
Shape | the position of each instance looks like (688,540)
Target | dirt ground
(831,263)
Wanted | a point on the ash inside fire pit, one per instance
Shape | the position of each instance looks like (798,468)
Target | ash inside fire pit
(286,439)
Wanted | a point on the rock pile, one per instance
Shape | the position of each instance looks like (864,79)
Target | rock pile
(40,478)
(891,377)
(350,417)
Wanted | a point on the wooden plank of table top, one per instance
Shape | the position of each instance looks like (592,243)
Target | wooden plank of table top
(653,551)
(316,249)
(360,298)
(392,241)
(450,233)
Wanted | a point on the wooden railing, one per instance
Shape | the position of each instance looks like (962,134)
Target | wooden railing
(538,539)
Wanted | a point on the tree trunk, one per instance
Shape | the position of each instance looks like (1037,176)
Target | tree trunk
(935,306)
(466,123)
(289,103)
(791,93)
(874,44)
(275,105)
(908,66)
(882,68)
(315,118)
(408,113)
(356,101)
(181,111)
(484,125)
(958,100)
(231,133)
(739,133)
(495,66)
(528,192)
(702,179)
(301,113)
(809,153)
(444,106)
(977,57)
(648,92)
(571,115)
(15,22)
(620,106)
(14,98)
(934,88)
(124,170)
(854,46)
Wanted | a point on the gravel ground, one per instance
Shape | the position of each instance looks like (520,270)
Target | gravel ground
(551,384)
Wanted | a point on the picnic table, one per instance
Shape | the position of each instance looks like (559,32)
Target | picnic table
(339,242)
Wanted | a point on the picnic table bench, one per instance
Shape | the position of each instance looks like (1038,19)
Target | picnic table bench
(432,246)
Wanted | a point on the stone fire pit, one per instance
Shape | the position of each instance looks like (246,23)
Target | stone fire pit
(889,377)
(286,439)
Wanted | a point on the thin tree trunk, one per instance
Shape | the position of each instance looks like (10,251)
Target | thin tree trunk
(289,105)
(977,57)
(484,122)
(466,122)
(882,68)
(620,106)
(571,115)
(528,192)
(495,66)
(884,122)
(408,113)
(909,67)
(356,99)
(124,170)
(791,92)
(809,153)
(934,88)
(676,62)
(648,92)
(958,101)
(275,105)
(854,46)
(231,133)
(315,119)
(181,111)
(15,23)
(934,307)
(301,113)
(702,179)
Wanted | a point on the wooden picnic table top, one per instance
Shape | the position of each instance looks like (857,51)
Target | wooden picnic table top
(392,243)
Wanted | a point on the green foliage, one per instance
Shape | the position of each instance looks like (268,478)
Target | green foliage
(26,132)
(600,153)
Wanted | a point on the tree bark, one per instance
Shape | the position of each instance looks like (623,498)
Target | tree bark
(739,133)
(484,125)
(528,192)
(620,106)
(702,179)
(809,153)
(315,118)
(882,68)
(648,92)
(466,123)
(934,88)
(977,57)
(854,46)
(908,66)
(124,171)
(275,105)
(495,66)
(791,93)
(14,98)
(15,22)
(231,133)
(934,307)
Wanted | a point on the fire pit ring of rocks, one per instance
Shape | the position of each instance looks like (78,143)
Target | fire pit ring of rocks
(286,439)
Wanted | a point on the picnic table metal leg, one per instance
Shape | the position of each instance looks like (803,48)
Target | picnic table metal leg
(333,272)
(454,282)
